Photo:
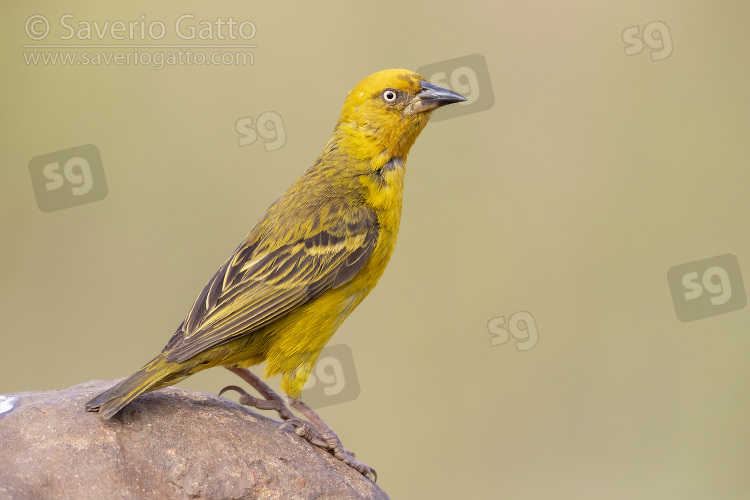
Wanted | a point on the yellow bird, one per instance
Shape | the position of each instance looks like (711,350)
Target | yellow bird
(307,264)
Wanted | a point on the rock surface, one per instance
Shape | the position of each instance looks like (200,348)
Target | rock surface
(167,444)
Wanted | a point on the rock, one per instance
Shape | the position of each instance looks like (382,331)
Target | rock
(166,444)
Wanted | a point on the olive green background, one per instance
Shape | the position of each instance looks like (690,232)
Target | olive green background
(591,176)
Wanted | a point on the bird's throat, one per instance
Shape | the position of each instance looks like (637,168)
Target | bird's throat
(383,187)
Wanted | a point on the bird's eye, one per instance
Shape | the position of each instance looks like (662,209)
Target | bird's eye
(390,95)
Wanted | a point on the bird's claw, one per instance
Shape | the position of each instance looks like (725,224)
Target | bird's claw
(306,431)
(360,467)
(269,401)
(245,398)
(259,403)
(241,391)
(347,456)
(331,444)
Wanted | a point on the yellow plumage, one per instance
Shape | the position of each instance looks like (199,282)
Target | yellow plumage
(314,255)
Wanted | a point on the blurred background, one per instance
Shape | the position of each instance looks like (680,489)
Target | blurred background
(564,315)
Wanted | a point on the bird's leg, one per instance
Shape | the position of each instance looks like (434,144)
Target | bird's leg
(315,430)
(271,401)
(325,438)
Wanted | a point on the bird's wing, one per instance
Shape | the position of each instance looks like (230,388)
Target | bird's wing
(255,287)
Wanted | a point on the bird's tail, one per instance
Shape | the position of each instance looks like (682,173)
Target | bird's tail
(155,375)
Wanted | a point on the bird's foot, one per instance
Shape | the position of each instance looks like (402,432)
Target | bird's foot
(314,429)
(306,431)
(347,456)
(270,400)
(317,432)
(259,403)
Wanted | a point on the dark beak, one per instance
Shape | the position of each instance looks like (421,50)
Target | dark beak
(432,97)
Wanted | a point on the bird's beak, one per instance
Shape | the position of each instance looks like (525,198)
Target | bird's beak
(432,97)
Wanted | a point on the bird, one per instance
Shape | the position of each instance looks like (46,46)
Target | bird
(310,260)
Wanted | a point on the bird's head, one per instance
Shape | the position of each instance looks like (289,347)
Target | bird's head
(384,113)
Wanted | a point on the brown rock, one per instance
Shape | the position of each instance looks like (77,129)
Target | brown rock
(167,444)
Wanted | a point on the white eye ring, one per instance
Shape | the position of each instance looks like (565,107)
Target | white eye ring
(390,95)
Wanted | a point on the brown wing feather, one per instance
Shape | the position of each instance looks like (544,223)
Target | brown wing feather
(254,287)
